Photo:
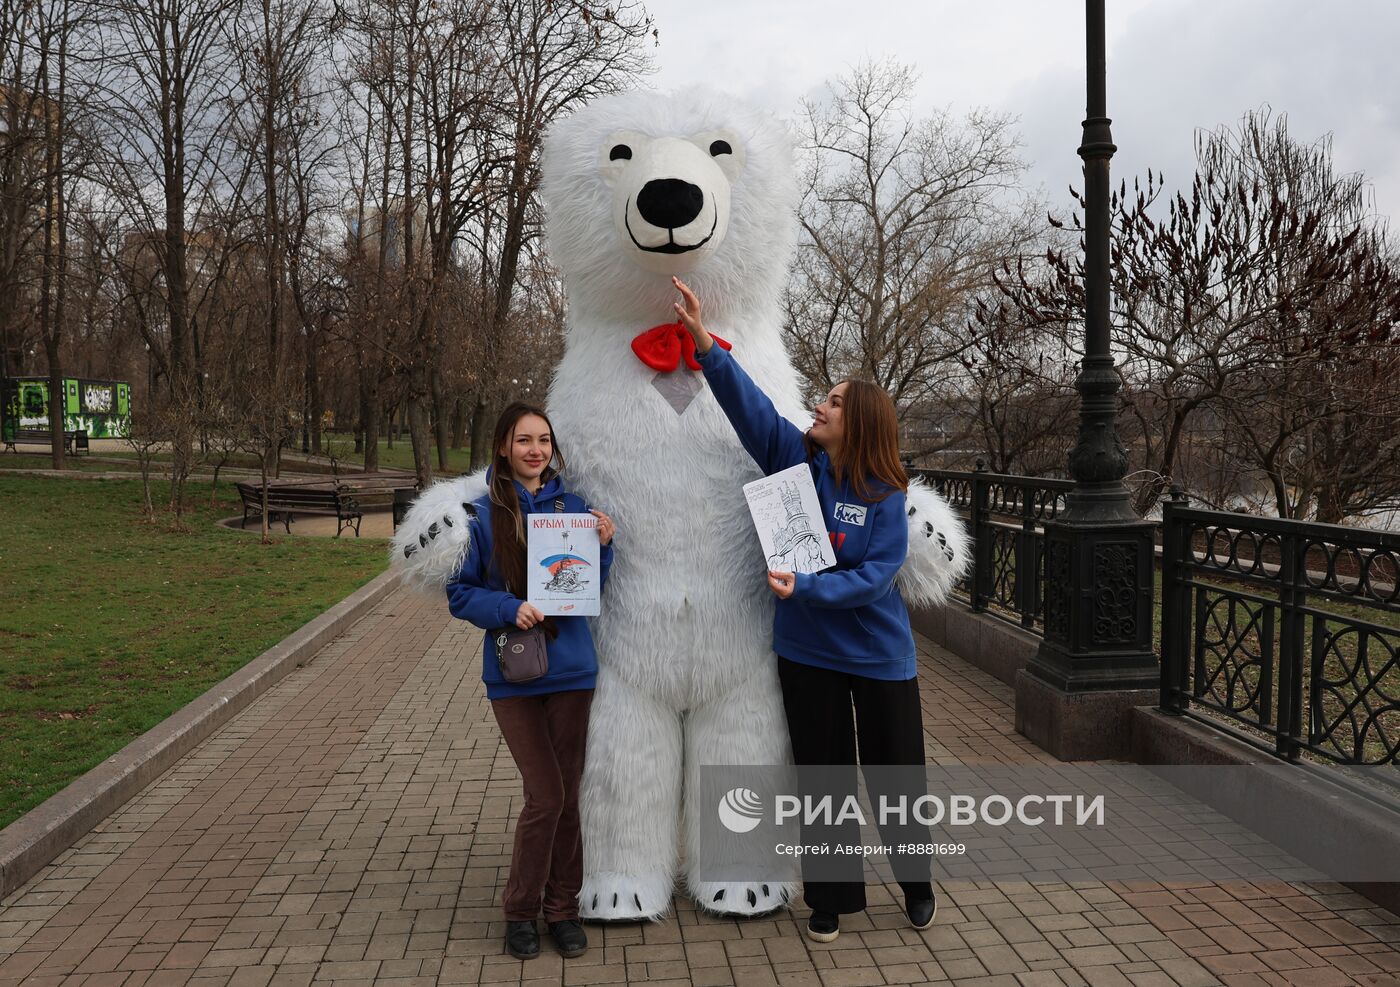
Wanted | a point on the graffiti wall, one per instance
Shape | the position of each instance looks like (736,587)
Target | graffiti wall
(99,407)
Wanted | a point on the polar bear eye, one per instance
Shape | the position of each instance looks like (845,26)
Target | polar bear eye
(620,152)
(720,147)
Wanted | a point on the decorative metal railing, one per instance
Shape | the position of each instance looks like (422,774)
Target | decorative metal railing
(1005,515)
(1289,629)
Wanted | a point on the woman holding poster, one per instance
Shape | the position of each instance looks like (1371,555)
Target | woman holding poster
(842,635)
(542,710)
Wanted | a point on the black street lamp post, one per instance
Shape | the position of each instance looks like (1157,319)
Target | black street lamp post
(1096,662)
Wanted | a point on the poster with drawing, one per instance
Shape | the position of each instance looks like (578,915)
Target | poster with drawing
(789,521)
(561,564)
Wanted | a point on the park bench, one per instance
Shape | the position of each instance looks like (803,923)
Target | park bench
(285,502)
(73,442)
(403,500)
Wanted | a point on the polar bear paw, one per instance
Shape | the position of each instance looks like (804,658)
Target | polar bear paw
(939,550)
(742,899)
(611,897)
(432,540)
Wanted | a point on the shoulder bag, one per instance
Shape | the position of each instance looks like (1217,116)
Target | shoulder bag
(523,655)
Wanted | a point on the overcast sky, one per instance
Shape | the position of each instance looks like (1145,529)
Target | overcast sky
(1173,66)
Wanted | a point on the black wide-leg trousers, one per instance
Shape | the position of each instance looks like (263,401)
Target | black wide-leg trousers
(833,717)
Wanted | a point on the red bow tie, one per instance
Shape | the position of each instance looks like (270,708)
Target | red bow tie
(662,347)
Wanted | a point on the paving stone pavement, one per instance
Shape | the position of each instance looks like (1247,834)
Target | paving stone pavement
(353,826)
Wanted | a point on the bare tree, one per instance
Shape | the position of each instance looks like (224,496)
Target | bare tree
(363,111)
(96,340)
(455,82)
(554,56)
(450,101)
(145,437)
(168,76)
(282,50)
(904,221)
(56,23)
(23,116)
(39,164)
(1348,462)
(1009,402)
(1263,259)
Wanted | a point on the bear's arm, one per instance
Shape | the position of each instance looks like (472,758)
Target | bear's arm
(774,442)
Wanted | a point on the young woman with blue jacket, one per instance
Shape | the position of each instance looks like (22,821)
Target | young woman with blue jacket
(842,636)
(545,720)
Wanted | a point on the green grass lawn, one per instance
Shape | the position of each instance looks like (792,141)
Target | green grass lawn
(109,623)
(341,446)
(84,464)
(124,461)
(399,457)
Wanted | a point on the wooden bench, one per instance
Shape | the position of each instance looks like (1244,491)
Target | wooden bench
(403,500)
(285,502)
(73,442)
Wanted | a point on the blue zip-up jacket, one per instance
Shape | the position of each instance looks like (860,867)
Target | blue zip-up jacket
(478,594)
(850,618)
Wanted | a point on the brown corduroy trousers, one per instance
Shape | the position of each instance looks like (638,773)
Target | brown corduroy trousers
(546,735)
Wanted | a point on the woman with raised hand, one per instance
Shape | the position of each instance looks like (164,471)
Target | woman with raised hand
(544,719)
(842,636)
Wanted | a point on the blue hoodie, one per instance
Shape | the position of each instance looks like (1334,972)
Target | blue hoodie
(478,594)
(851,618)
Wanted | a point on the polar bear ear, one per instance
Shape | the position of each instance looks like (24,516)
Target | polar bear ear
(616,151)
(725,148)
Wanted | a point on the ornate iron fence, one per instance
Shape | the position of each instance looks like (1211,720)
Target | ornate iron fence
(1290,629)
(1005,514)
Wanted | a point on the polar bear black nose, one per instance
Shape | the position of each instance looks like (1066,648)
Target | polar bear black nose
(670,202)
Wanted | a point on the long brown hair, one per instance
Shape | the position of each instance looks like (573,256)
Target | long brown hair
(507,525)
(869,451)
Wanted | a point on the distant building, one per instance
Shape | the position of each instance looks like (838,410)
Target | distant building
(390,224)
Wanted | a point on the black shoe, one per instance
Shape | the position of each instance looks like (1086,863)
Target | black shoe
(522,940)
(823,926)
(569,938)
(921,911)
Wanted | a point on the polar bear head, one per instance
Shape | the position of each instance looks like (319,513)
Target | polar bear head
(640,186)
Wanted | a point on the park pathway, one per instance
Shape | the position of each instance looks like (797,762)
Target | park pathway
(352,826)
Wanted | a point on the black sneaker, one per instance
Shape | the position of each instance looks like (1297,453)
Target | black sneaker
(569,937)
(921,911)
(823,926)
(522,940)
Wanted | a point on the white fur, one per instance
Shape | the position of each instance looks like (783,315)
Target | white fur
(687,675)
(939,550)
(685,159)
(432,541)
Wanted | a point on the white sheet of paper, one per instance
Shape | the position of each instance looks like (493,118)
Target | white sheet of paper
(788,517)
(562,573)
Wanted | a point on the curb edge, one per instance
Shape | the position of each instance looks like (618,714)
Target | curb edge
(36,838)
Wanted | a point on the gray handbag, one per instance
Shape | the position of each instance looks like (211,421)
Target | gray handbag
(523,656)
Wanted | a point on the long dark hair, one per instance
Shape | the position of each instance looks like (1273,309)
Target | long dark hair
(869,451)
(507,525)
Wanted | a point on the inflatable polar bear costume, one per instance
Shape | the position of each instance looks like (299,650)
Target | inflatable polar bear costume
(639,187)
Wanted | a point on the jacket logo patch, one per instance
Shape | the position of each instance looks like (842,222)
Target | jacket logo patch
(850,514)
